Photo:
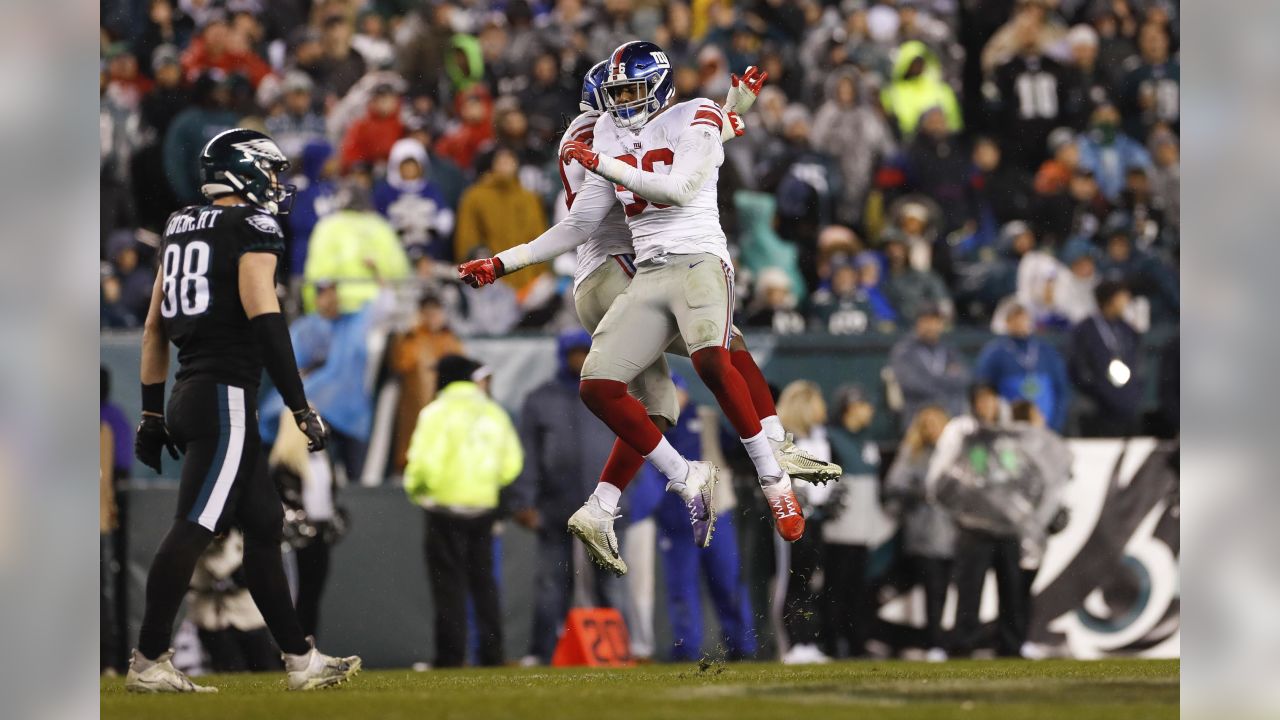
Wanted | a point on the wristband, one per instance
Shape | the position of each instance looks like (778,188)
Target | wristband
(153,398)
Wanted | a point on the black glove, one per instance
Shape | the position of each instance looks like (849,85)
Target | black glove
(1059,521)
(313,427)
(150,437)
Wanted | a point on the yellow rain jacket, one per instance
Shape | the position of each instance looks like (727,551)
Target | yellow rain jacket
(464,450)
(908,99)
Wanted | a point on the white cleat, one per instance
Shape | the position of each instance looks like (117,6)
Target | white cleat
(701,486)
(159,676)
(313,669)
(593,525)
(800,465)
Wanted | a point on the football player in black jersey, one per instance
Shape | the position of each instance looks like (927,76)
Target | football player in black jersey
(215,299)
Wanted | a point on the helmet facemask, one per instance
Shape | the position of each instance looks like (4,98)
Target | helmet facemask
(634,112)
(274,197)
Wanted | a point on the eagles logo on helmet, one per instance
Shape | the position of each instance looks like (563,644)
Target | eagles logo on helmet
(249,164)
(639,83)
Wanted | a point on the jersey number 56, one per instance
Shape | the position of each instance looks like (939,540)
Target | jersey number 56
(646,163)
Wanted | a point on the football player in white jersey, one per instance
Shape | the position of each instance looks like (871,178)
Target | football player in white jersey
(605,266)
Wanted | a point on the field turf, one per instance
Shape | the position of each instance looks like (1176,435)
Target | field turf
(977,690)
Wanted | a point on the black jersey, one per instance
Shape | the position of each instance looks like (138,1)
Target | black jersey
(200,281)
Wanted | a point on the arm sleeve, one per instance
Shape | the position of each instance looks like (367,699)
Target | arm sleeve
(590,206)
(272,335)
(698,153)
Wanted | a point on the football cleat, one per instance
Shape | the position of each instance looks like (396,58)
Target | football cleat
(800,465)
(787,517)
(313,669)
(159,676)
(701,486)
(593,525)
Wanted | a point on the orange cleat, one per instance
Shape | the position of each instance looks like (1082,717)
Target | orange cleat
(787,517)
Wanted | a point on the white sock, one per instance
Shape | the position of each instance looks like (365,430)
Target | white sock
(608,495)
(669,462)
(762,456)
(773,428)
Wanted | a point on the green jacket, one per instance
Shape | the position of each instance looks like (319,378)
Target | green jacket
(463,451)
(470,71)
(907,99)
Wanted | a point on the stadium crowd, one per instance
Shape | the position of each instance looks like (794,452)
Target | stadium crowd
(911,166)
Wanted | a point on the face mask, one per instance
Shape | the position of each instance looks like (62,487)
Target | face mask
(1106,132)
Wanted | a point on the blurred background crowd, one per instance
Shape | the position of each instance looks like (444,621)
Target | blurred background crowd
(986,188)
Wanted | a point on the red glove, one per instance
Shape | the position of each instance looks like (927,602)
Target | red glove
(580,151)
(478,273)
(739,126)
(753,79)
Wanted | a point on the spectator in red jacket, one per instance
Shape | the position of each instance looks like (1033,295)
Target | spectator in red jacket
(227,48)
(370,138)
(474,109)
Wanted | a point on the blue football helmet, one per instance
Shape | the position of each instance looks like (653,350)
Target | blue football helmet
(592,92)
(639,83)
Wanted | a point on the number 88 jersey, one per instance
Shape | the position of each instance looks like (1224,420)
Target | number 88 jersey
(200,289)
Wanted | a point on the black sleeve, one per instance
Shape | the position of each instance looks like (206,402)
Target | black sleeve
(272,334)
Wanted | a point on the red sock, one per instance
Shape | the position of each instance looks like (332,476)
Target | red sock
(726,383)
(621,467)
(761,396)
(624,415)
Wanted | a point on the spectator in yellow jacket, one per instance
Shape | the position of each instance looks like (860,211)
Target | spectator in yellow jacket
(464,450)
(498,213)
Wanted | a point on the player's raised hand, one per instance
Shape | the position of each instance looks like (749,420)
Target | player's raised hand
(150,438)
(580,151)
(744,90)
(311,425)
(478,273)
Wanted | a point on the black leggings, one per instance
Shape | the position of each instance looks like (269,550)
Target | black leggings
(224,482)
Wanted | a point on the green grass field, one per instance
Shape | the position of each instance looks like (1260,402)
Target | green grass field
(981,690)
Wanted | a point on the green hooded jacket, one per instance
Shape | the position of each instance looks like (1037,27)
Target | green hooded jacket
(908,99)
(470,72)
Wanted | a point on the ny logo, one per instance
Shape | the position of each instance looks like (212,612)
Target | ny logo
(660,58)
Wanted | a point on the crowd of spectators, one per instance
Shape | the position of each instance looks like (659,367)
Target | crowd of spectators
(903,152)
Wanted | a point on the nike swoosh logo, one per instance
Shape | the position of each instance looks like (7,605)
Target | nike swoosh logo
(694,265)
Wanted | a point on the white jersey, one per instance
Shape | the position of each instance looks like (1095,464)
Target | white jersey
(684,134)
(611,236)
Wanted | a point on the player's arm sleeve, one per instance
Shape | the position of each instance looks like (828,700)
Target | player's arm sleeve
(592,204)
(698,153)
(257,272)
